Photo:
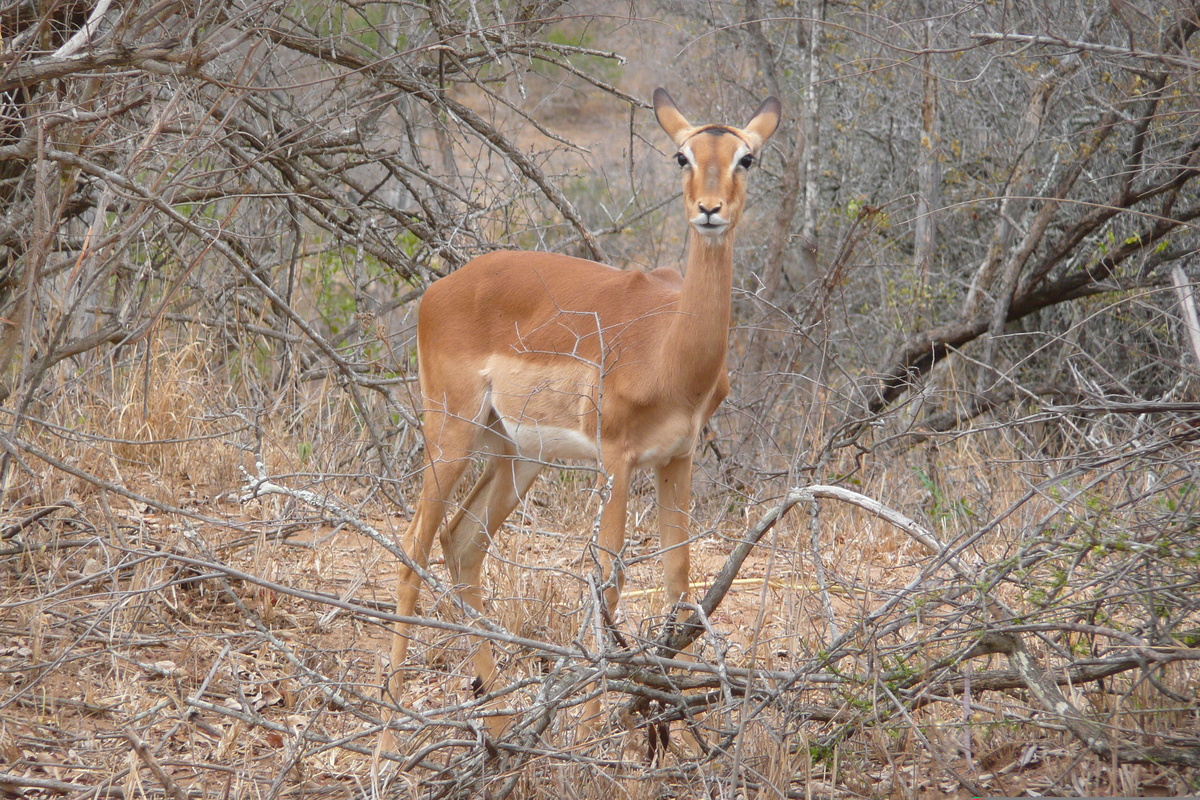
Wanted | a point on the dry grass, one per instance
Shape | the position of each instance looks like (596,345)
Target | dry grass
(238,686)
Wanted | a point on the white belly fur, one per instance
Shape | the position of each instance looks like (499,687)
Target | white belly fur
(544,413)
(539,442)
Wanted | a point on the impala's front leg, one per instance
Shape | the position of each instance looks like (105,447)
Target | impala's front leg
(610,541)
(611,537)
(674,497)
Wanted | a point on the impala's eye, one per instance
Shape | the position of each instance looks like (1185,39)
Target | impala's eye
(682,159)
(747,161)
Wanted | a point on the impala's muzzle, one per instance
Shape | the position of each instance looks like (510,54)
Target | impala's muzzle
(709,221)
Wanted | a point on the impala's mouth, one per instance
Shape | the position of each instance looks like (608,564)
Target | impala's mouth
(710,226)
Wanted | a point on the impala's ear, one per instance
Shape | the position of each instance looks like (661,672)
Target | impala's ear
(669,117)
(764,122)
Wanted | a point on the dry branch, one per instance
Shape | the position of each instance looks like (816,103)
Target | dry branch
(18,74)
(1093,47)
(1103,741)
(1187,304)
(430,94)
(155,768)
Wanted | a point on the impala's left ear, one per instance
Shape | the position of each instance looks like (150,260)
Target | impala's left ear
(764,122)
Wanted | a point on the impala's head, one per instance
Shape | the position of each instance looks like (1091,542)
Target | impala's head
(715,160)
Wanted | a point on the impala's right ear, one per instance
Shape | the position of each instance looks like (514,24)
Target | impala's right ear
(674,123)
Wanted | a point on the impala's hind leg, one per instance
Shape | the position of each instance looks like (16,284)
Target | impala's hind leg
(449,443)
(465,542)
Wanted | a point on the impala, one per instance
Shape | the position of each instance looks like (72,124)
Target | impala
(527,358)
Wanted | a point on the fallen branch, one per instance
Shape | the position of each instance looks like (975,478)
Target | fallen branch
(155,768)
(14,784)
(14,528)
(998,680)
(1101,740)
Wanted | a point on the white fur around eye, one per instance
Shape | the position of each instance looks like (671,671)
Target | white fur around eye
(741,153)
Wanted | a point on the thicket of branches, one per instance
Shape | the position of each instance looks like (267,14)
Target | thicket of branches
(965,306)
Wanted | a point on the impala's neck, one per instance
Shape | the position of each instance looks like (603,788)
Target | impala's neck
(699,333)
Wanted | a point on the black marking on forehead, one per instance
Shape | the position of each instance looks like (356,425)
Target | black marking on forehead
(719,130)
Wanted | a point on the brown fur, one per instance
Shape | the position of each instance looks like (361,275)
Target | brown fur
(529,357)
